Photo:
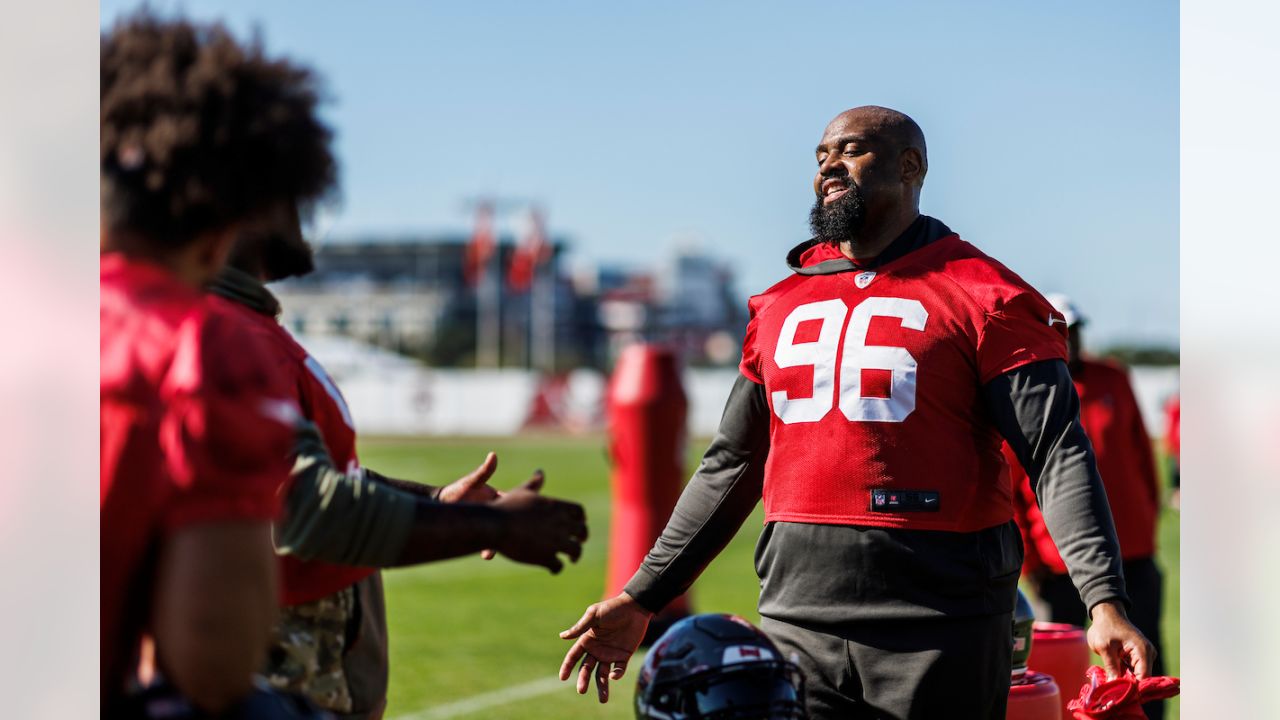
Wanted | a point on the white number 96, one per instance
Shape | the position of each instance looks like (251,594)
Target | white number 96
(858,356)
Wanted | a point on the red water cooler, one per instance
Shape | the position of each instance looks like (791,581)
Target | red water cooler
(1060,651)
(1035,697)
(647,411)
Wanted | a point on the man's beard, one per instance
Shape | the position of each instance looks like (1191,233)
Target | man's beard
(283,257)
(841,220)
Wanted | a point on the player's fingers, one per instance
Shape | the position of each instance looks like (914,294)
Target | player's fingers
(554,565)
(584,673)
(578,531)
(619,668)
(1140,658)
(1112,662)
(533,484)
(571,658)
(602,682)
(584,623)
(572,549)
(487,554)
(481,474)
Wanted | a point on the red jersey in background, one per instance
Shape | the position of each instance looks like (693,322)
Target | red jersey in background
(194,430)
(1111,418)
(321,403)
(1173,427)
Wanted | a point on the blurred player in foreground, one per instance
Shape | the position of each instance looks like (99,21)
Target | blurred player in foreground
(1110,415)
(341,521)
(199,135)
(876,385)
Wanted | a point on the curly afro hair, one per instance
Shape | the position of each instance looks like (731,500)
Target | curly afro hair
(200,132)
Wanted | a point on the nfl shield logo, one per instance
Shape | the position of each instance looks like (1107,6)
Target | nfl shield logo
(864,279)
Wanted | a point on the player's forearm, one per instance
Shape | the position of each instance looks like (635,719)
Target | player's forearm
(431,492)
(714,504)
(443,531)
(339,517)
(1037,410)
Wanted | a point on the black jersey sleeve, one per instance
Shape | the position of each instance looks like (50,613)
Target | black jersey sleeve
(717,500)
(1036,409)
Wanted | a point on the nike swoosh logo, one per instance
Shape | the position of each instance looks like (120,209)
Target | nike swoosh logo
(1053,320)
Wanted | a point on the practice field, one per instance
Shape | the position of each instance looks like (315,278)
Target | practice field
(475,639)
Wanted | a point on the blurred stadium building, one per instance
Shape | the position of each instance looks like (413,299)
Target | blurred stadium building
(411,296)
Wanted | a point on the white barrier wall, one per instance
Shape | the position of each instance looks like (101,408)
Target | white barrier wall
(393,395)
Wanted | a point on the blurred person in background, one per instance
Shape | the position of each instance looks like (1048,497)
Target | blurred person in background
(1173,448)
(1113,422)
(199,135)
(876,384)
(342,522)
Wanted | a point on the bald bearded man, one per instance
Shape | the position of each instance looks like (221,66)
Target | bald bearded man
(877,382)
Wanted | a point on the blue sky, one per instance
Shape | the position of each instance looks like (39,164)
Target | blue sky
(1052,127)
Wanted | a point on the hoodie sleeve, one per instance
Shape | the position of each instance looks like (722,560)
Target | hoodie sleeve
(723,492)
(1036,408)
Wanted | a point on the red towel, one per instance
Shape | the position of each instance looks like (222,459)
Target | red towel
(1119,699)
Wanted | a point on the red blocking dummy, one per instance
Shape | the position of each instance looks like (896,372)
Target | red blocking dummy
(647,410)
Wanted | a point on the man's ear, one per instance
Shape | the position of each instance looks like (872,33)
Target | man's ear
(913,167)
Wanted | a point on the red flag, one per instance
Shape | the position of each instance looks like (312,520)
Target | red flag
(481,246)
(533,250)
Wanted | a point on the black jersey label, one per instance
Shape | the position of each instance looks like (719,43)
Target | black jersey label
(896,501)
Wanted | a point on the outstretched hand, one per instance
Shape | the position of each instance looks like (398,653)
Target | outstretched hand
(607,636)
(1120,645)
(474,487)
(537,529)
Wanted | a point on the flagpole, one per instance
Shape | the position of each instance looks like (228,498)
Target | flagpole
(489,316)
(543,315)
(484,248)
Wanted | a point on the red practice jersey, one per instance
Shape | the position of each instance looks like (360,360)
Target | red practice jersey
(193,430)
(1111,418)
(874,380)
(321,403)
(1173,427)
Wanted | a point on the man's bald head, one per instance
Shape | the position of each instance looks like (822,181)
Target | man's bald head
(871,167)
(896,128)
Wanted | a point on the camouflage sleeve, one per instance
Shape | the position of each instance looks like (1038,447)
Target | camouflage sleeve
(338,517)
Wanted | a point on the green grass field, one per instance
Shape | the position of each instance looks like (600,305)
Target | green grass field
(476,639)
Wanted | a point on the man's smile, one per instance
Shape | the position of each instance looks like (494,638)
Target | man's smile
(833,189)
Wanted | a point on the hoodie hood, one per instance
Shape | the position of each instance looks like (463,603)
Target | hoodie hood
(815,257)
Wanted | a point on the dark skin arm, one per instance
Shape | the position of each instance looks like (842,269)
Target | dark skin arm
(522,525)
(471,488)
(213,608)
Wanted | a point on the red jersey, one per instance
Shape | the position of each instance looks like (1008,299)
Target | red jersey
(1111,418)
(321,403)
(874,380)
(193,431)
(1173,427)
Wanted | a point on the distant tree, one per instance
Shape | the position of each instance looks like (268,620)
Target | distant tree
(1143,354)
